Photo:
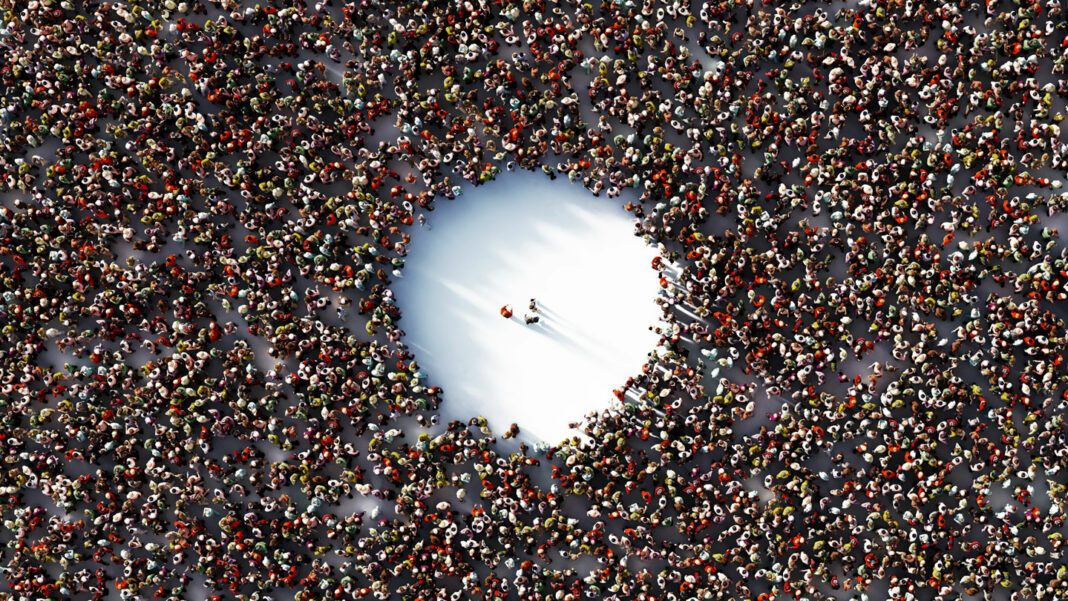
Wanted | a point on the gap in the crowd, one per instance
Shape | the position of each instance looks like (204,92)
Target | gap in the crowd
(522,237)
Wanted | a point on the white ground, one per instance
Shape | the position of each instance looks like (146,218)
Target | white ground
(518,237)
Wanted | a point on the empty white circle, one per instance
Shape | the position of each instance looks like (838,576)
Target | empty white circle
(521,237)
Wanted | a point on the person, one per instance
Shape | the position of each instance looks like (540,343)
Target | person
(532,316)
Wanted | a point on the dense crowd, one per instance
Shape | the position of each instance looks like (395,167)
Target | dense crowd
(859,390)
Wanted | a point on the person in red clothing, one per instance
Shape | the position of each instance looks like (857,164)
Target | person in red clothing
(506,312)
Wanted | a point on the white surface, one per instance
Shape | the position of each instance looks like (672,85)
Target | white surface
(518,237)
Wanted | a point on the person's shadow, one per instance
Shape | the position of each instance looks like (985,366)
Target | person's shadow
(557,328)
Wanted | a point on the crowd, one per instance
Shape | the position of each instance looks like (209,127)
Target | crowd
(859,390)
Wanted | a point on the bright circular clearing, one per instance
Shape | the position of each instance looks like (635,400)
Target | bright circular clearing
(521,237)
